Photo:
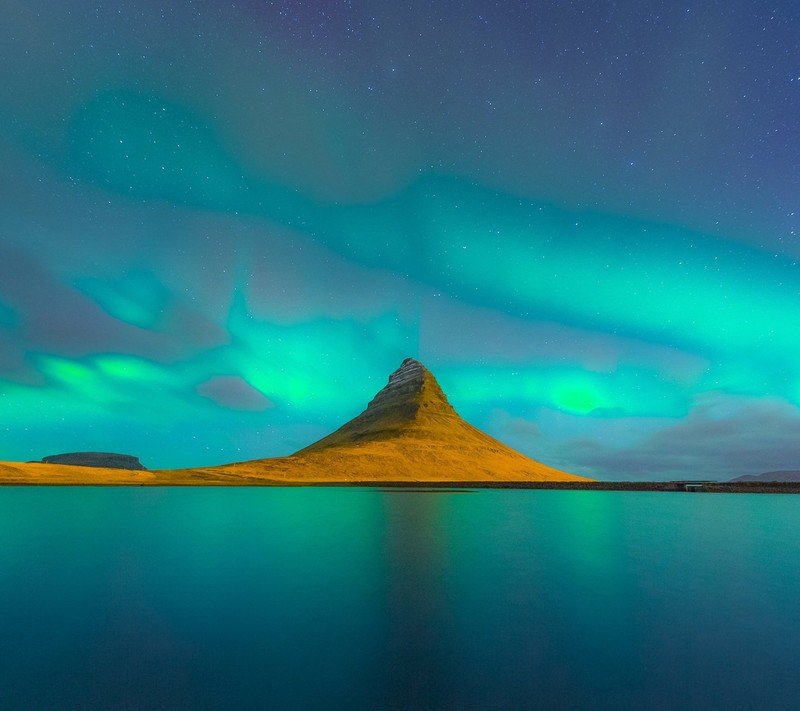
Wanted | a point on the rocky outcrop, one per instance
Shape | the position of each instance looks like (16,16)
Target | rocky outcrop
(102,460)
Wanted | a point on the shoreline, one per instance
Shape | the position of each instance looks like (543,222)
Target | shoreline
(704,487)
(683,487)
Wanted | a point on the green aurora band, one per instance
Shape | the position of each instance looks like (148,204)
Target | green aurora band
(165,290)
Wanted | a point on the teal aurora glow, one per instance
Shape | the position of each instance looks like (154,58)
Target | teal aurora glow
(223,225)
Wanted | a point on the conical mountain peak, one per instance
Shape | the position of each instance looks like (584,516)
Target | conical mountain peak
(412,394)
(409,432)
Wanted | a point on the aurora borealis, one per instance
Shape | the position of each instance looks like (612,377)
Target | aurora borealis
(222,225)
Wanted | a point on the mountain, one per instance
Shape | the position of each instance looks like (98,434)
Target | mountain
(784,475)
(409,432)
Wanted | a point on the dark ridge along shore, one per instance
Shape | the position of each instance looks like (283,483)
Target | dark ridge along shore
(706,487)
(443,486)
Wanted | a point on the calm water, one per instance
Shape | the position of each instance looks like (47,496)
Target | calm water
(139,598)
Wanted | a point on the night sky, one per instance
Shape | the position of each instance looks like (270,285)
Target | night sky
(223,224)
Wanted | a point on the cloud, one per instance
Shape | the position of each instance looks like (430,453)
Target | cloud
(52,316)
(235,393)
(723,437)
(454,332)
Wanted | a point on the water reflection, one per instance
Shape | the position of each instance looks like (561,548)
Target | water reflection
(363,599)
(419,648)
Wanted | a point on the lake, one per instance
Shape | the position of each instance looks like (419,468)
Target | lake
(336,598)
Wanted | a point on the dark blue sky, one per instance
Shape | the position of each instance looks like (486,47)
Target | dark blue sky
(223,224)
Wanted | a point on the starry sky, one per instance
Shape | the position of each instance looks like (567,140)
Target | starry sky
(223,224)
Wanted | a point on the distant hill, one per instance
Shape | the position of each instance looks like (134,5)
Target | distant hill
(108,460)
(408,433)
(783,475)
